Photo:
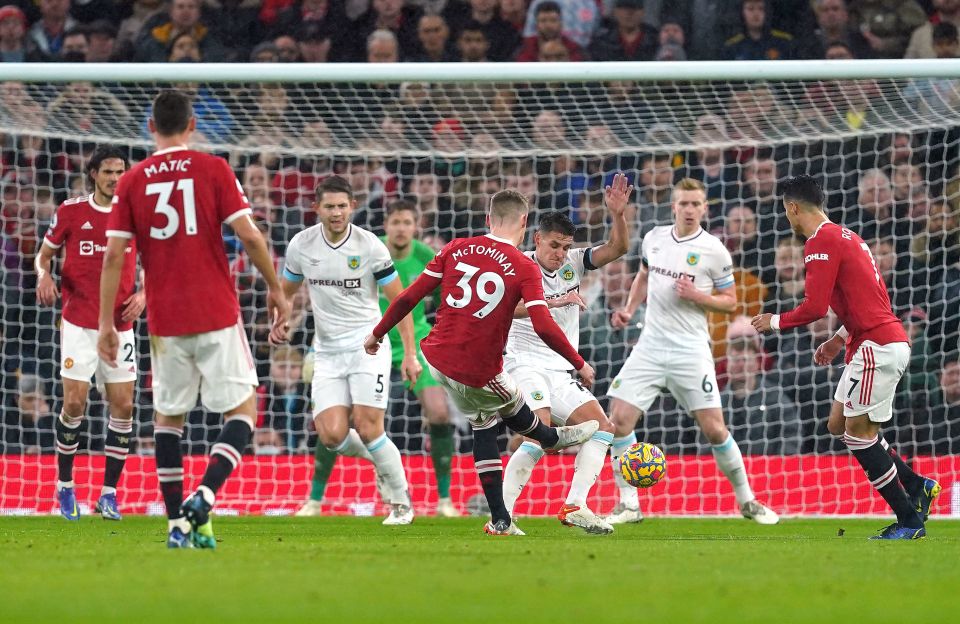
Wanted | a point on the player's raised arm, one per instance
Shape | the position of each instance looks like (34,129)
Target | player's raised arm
(615,197)
(638,294)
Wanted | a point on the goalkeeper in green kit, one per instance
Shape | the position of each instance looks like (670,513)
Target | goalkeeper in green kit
(410,257)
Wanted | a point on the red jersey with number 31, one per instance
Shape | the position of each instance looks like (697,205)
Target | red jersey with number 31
(79,227)
(174,204)
(482,279)
(842,274)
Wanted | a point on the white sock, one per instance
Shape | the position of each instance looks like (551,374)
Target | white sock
(587,467)
(730,462)
(64,484)
(208,496)
(628,494)
(353,446)
(182,523)
(107,490)
(518,472)
(386,457)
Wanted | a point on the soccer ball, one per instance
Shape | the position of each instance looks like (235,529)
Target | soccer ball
(643,465)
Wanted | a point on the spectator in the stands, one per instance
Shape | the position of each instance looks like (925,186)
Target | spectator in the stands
(921,41)
(944,421)
(757,41)
(655,185)
(76,46)
(102,38)
(383,47)
(938,96)
(265,52)
(838,51)
(15,46)
(887,24)
(433,35)
(391,15)
(672,42)
(899,288)
(328,13)
(473,44)
(759,191)
(786,291)
(579,19)
(143,11)
(315,42)
(625,36)
(708,164)
(875,213)
(552,51)
(549,27)
(47,33)
(834,27)
(235,24)
(184,49)
(761,417)
(503,39)
(27,424)
(82,107)
(183,17)
(287,48)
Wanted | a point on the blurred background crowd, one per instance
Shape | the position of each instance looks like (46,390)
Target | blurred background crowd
(886,152)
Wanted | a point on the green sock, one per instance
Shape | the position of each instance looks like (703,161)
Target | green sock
(323,462)
(441,450)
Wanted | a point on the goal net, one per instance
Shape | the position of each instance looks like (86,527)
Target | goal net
(885,149)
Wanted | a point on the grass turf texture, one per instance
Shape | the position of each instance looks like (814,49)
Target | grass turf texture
(438,570)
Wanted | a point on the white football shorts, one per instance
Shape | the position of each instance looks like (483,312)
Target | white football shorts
(351,378)
(689,376)
(870,380)
(556,390)
(217,364)
(79,360)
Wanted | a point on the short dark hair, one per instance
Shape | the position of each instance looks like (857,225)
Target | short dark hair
(548,7)
(172,110)
(102,153)
(402,205)
(556,221)
(334,184)
(474,26)
(802,189)
(945,32)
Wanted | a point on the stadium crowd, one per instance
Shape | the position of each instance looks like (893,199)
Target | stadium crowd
(449,149)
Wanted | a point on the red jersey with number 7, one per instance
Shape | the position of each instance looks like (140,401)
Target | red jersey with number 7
(174,204)
(482,279)
(842,274)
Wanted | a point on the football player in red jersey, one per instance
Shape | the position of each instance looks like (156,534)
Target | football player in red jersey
(482,279)
(79,228)
(841,274)
(174,204)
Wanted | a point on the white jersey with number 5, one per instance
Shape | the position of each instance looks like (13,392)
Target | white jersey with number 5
(343,280)
(670,321)
(524,346)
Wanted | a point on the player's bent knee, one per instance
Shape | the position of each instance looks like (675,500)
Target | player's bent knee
(74,408)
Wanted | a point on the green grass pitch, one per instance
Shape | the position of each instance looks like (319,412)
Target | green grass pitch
(437,570)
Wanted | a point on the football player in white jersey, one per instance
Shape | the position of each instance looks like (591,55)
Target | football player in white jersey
(549,386)
(343,266)
(685,272)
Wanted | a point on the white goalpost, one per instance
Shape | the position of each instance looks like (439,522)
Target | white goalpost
(881,136)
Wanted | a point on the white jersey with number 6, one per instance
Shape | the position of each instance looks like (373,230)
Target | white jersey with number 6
(670,321)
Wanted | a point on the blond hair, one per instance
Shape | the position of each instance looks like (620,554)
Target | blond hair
(508,205)
(688,184)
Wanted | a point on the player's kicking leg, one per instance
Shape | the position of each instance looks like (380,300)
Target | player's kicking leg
(727,454)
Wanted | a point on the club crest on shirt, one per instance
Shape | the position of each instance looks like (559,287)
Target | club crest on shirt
(616,383)
(68,363)
(693,258)
(353,262)
(566,273)
(537,395)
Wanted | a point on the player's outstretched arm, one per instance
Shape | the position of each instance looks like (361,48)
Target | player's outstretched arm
(571,298)
(278,305)
(400,307)
(47,292)
(724,300)
(822,263)
(638,294)
(410,368)
(108,341)
(615,197)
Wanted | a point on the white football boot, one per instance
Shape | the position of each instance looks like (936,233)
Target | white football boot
(758,512)
(309,509)
(621,514)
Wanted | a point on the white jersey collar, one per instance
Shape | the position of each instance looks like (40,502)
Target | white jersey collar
(98,207)
(175,148)
(499,240)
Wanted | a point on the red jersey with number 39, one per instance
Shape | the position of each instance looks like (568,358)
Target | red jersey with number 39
(482,279)
(842,274)
(79,227)
(174,204)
